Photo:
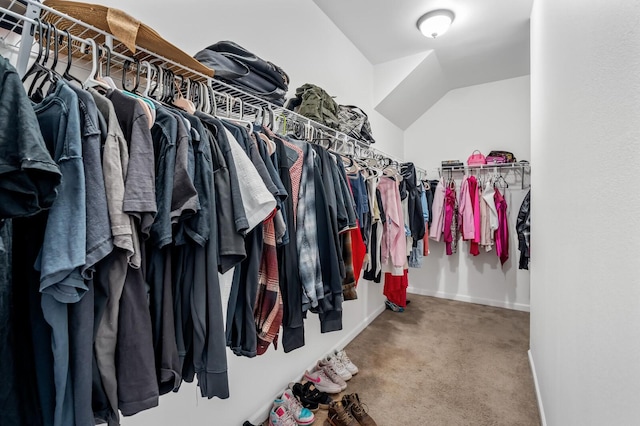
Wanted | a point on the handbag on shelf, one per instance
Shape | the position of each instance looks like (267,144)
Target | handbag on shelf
(500,157)
(476,158)
(451,164)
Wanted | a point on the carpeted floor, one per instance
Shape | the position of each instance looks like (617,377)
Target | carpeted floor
(445,363)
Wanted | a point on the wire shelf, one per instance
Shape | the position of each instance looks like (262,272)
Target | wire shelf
(25,21)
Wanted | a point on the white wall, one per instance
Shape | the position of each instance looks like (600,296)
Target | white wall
(297,36)
(294,34)
(486,117)
(585,290)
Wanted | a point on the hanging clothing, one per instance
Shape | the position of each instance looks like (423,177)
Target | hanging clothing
(289,159)
(489,195)
(523,228)
(450,226)
(465,211)
(307,232)
(486,234)
(28,187)
(414,204)
(394,249)
(268,306)
(395,288)
(437,227)
(474,246)
(331,261)
(502,233)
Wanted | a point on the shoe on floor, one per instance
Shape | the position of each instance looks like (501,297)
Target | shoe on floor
(310,396)
(338,366)
(392,306)
(358,410)
(342,356)
(280,416)
(331,373)
(321,381)
(340,416)
(301,415)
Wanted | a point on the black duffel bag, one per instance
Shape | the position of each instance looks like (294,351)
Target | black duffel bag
(240,68)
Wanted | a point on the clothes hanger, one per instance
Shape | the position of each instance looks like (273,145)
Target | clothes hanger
(211,96)
(106,76)
(499,179)
(180,101)
(148,79)
(66,75)
(309,131)
(52,76)
(148,105)
(39,68)
(35,66)
(168,86)
(196,94)
(92,81)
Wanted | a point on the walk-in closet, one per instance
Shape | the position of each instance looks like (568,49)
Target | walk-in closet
(342,213)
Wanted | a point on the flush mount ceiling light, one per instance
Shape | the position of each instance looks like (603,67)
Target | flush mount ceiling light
(435,23)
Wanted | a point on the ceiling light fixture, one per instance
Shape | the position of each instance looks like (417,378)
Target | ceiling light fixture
(435,23)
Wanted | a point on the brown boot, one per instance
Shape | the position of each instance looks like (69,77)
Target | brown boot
(339,416)
(358,410)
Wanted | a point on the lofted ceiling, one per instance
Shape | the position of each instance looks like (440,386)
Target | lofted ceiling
(488,41)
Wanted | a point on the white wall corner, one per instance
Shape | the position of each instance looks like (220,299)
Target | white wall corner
(414,94)
(388,75)
(469,299)
(543,419)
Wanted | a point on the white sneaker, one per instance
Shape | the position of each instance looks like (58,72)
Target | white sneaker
(342,356)
(280,416)
(302,416)
(322,382)
(333,376)
(337,365)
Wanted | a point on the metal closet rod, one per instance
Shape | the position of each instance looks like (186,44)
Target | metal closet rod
(84,42)
(519,166)
(35,7)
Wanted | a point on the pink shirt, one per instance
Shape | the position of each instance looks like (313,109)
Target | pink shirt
(465,212)
(474,249)
(394,245)
(502,233)
(449,206)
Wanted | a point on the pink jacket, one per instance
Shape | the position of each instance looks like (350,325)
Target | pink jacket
(394,243)
(465,212)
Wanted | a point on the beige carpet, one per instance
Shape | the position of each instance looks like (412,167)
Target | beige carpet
(445,363)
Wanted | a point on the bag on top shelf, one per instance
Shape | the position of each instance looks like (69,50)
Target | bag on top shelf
(355,123)
(500,157)
(236,66)
(476,158)
(314,103)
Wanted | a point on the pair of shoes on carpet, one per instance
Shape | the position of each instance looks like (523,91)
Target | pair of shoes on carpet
(393,307)
(349,411)
(325,378)
(288,411)
(332,372)
(310,396)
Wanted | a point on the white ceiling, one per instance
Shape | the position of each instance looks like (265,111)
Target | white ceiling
(488,41)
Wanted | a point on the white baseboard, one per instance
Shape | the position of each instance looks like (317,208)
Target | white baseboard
(469,299)
(543,420)
(259,416)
